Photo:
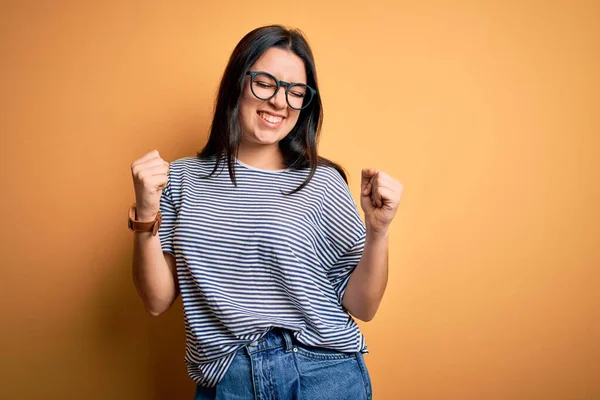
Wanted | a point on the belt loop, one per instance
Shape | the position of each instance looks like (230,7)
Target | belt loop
(287,336)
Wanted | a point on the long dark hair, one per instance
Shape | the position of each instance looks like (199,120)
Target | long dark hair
(299,147)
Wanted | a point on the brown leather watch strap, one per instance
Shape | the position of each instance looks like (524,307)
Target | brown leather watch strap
(139,226)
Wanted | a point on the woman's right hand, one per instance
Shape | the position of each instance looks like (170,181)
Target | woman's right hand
(149,179)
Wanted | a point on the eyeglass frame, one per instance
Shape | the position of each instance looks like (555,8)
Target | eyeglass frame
(279,83)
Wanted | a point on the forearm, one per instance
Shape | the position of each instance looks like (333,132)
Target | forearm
(154,278)
(368,281)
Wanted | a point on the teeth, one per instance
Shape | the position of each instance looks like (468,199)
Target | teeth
(270,118)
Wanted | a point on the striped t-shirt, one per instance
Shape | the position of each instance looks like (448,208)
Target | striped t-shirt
(250,258)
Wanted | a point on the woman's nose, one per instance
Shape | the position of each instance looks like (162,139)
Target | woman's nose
(279,100)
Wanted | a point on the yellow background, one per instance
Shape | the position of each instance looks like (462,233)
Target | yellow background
(488,112)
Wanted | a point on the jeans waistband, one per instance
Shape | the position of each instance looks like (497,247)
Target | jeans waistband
(274,338)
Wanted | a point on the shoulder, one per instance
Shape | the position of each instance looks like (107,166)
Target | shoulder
(329,175)
(184,170)
(187,162)
(331,180)
(190,163)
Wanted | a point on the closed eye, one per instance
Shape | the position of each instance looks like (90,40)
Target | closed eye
(263,84)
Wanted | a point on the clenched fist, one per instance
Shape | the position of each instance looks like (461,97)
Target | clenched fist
(149,179)
(380,196)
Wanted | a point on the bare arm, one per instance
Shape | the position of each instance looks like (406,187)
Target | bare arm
(154,273)
(368,281)
(380,196)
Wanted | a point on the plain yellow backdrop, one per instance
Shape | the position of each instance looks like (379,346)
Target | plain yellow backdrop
(487,112)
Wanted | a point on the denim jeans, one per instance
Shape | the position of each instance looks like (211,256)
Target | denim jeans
(278,367)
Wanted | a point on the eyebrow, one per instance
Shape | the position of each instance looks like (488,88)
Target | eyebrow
(291,82)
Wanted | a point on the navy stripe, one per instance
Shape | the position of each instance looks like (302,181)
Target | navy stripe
(250,258)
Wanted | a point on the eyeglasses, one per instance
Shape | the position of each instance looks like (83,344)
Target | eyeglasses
(265,86)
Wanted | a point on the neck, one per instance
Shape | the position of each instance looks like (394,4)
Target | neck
(263,157)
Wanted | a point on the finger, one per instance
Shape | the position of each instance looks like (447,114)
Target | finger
(387,186)
(385,180)
(158,170)
(148,164)
(153,163)
(149,172)
(367,189)
(387,197)
(366,175)
(148,156)
(375,194)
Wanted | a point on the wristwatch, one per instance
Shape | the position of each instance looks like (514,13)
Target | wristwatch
(139,226)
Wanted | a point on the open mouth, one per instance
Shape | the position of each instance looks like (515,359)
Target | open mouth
(269,119)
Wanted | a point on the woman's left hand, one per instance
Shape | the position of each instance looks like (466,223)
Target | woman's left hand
(380,196)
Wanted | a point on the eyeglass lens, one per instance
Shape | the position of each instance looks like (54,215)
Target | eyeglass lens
(264,86)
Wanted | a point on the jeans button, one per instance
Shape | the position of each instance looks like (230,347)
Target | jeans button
(295,349)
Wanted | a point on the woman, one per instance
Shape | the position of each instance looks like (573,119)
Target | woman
(269,253)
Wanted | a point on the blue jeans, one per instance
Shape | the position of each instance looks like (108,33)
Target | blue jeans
(278,367)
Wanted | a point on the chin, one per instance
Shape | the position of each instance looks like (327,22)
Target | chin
(267,138)
(267,142)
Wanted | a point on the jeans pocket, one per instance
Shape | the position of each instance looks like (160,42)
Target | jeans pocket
(321,353)
(330,374)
